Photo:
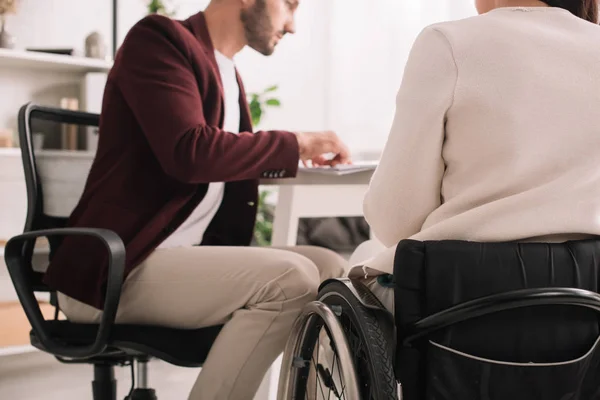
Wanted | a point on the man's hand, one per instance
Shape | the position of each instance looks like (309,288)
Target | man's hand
(314,146)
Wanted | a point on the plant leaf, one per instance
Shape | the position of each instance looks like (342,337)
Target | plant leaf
(273,102)
(272,89)
(256,114)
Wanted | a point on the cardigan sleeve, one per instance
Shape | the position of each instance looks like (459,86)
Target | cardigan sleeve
(406,186)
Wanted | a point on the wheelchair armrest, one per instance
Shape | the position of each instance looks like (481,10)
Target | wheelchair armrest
(17,263)
(360,291)
(501,302)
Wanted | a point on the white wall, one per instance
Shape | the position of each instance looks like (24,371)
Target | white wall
(371,41)
(60,23)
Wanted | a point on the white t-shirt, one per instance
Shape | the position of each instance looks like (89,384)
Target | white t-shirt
(192,230)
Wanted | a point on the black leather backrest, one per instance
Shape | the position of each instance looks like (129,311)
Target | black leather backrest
(435,275)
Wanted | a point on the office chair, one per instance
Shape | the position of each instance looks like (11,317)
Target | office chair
(104,345)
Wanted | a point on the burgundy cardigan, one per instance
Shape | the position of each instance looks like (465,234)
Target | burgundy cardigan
(160,143)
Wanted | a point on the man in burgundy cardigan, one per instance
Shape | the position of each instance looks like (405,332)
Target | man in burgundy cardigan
(178,165)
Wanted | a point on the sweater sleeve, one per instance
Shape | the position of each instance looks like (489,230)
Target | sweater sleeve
(406,187)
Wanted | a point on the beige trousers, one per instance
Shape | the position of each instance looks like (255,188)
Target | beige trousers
(256,292)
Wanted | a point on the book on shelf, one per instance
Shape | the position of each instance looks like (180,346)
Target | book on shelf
(69,132)
(65,52)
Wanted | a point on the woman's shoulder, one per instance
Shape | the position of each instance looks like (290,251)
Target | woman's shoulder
(514,22)
(479,31)
(450,33)
(464,25)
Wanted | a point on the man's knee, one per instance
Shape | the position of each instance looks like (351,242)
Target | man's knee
(332,265)
(329,263)
(299,279)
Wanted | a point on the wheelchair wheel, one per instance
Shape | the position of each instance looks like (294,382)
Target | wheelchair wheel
(325,366)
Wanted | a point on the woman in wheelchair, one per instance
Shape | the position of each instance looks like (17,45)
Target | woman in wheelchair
(486,202)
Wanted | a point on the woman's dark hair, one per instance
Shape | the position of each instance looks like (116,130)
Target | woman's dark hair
(586,9)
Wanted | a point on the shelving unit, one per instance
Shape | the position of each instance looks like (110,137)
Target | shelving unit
(55,62)
(44,79)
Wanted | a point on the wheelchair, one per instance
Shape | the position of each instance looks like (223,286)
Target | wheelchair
(471,321)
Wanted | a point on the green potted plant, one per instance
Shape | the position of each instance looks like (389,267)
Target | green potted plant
(159,7)
(263,229)
(258,103)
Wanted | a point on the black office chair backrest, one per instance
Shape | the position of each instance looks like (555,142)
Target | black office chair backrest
(58,128)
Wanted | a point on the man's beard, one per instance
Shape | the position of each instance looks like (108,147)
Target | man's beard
(258,27)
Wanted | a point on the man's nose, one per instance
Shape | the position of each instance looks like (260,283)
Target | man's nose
(290,26)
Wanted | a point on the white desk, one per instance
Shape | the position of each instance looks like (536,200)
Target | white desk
(310,195)
(315,195)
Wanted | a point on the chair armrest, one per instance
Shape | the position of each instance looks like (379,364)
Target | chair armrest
(17,263)
(500,302)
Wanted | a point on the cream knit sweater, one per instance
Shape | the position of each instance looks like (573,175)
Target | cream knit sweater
(496,135)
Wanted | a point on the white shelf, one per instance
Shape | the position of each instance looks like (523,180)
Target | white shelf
(51,62)
(10,151)
(16,350)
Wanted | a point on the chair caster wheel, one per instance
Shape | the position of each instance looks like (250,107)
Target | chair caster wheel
(142,394)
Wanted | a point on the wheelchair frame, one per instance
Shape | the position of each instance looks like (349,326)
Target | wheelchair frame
(329,316)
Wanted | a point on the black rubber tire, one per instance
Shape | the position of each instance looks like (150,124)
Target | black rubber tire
(369,336)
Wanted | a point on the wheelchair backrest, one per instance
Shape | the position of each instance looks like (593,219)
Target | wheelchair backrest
(434,276)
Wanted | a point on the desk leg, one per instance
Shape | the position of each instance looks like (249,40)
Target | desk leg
(285,221)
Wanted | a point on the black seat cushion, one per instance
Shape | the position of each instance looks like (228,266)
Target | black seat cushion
(186,348)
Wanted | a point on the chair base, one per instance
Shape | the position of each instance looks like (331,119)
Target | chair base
(142,394)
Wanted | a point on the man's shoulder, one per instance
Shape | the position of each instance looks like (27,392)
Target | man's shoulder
(161,41)
(153,27)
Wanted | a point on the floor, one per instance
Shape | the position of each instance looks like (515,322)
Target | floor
(36,376)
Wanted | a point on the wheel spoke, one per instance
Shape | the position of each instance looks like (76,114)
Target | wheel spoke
(333,371)
(342,381)
(318,382)
(316,366)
